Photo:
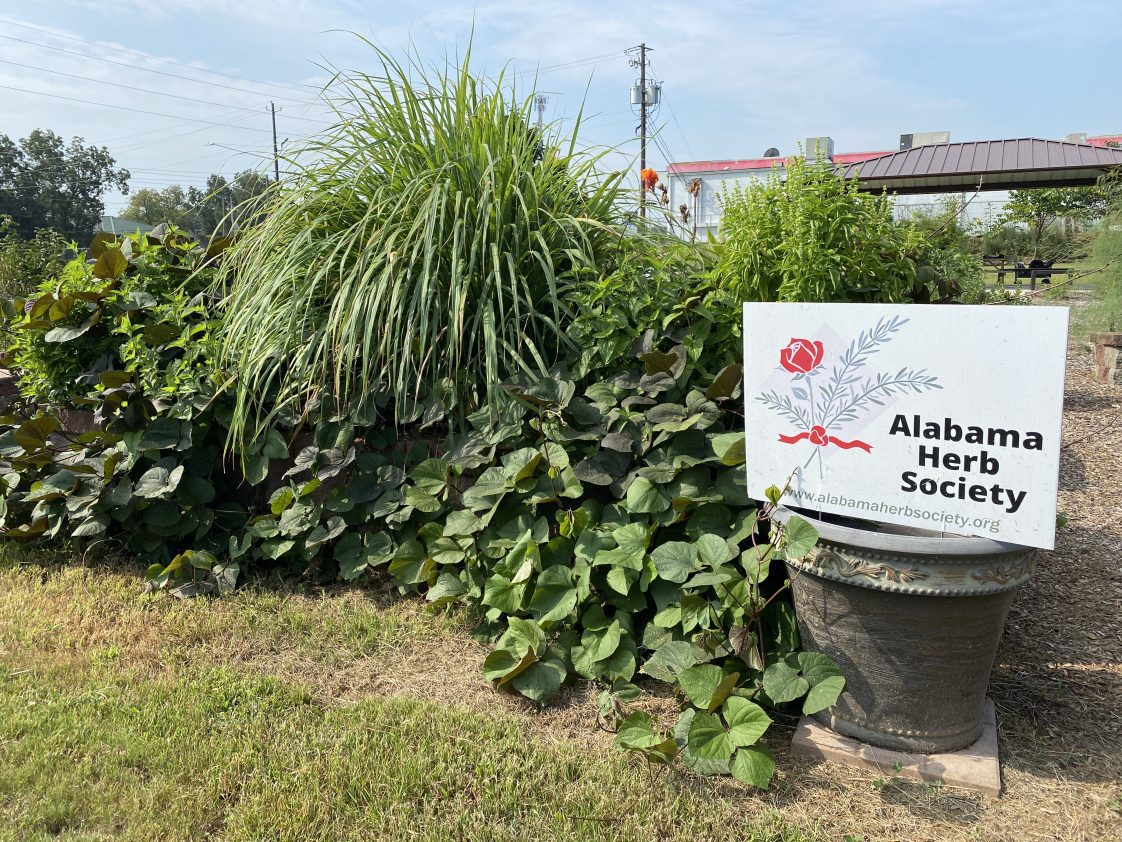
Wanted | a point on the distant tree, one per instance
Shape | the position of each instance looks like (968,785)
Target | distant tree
(201,210)
(216,205)
(154,207)
(45,183)
(1039,209)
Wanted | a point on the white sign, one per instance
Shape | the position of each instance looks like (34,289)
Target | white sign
(941,417)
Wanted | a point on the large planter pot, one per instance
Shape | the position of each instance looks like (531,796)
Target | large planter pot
(913,619)
(1108,357)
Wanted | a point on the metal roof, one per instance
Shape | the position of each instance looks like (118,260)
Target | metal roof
(120,225)
(985,164)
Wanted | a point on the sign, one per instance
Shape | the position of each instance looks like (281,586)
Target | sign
(940,417)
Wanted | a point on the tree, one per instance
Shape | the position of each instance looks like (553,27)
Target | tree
(1039,209)
(157,206)
(47,184)
(219,205)
(201,210)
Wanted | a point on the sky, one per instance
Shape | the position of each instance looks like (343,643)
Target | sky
(180,90)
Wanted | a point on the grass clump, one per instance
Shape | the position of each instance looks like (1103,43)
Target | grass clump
(420,257)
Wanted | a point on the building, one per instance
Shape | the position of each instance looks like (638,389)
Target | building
(698,185)
(120,226)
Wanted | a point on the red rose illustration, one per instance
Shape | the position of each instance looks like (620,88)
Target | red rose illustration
(801,356)
(818,435)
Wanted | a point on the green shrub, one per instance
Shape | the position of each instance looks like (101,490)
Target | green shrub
(78,319)
(808,234)
(1106,251)
(25,264)
(421,259)
(608,532)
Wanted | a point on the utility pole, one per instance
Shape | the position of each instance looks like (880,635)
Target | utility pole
(540,103)
(643,126)
(639,97)
(276,153)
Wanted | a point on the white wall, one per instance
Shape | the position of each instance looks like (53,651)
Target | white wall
(708,209)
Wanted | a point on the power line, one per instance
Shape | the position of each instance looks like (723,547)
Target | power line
(177,135)
(144,90)
(229,114)
(136,110)
(151,70)
(149,57)
(85,42)
(674,117)
(576,63)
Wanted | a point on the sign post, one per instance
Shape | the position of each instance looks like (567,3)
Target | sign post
(942,418)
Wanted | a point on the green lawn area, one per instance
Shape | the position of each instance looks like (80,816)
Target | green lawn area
(127,715)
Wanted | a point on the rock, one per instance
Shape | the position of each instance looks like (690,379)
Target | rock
(1108,357)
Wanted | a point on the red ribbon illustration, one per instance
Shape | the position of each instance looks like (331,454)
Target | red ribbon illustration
(817,435)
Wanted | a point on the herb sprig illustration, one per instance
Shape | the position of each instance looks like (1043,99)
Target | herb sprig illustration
(847,392)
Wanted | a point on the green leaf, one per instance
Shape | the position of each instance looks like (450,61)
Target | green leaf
(825,679)
(55,486)
(601,643)
(32,435)
(631,547)
(708,738)
(773,494)
(756,561)
(637,732)
(669,660)
(111,264)
(622,579)
(448,588)
(431,477)
(67,334)
(784,684)
(462,523)
(195,490)
(753,766)
(503,594)
(281,499)
(540,681)
(675,560)
(554,596)
(325,532)
(354,554)
(411,564)
(502,665)
(729,448)
(823,694)
(521,464)
(800,537)
(522,634)
(726,383)
(713,551)
(707,686)
(644,497)
(747,721)
(158,482)
(165,433)
(226,576)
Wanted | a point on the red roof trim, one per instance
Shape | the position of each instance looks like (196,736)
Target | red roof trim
(744,164)
(759,163)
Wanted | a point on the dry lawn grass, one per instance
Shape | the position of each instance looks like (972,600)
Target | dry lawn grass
(1057,684)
